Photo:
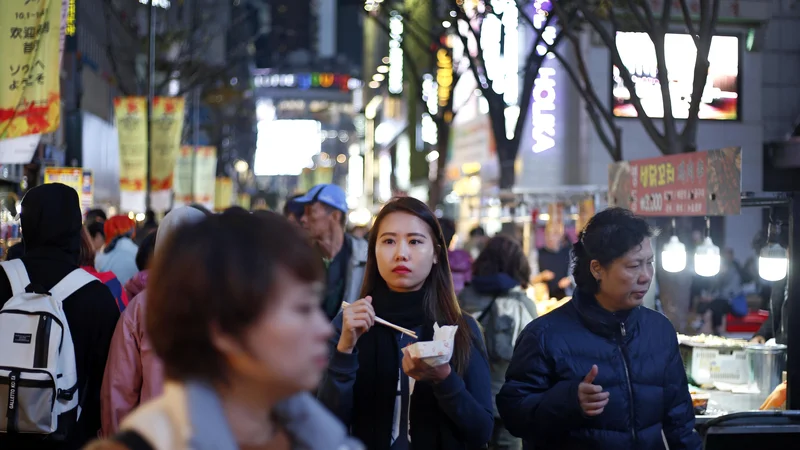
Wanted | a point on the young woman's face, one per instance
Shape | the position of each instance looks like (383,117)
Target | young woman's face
(405,251)
(624,283)
(287,346)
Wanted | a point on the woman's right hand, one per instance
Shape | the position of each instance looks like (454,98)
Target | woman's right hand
(357,319)
(591,397)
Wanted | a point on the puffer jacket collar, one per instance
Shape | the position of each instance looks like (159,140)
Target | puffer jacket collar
(603,322)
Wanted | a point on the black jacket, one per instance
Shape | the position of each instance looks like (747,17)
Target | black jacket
(776,325)
(51,222)
(639,366)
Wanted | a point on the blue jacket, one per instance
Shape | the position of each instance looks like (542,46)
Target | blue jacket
(639,365)
(465,402)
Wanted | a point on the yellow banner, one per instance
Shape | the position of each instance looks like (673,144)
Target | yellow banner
(205,170)
(165,135)
(183,177)
(131,114)
(30,100)
(71,176)
(223,196)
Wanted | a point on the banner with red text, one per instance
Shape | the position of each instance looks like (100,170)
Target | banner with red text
(131,115)
(205,171)
(688,184)
(30,42)
(166,126)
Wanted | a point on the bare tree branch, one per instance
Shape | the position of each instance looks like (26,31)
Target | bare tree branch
(708,21)
(687,18)
(616,59)
(644,23)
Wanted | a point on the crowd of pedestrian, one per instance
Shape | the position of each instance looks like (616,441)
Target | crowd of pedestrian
(265,331)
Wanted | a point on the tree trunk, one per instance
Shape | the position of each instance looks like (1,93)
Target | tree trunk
(507,155)
(436,190)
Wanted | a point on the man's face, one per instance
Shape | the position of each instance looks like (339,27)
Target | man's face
(318,220)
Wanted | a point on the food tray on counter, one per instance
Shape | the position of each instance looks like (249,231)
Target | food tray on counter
(709,359)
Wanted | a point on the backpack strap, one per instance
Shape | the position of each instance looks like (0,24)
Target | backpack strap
(486,310)
(17,276)
(76,279)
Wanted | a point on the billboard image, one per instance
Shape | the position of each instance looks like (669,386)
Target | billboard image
(720,99)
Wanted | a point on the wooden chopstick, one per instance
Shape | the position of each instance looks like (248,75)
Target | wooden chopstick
(405,331)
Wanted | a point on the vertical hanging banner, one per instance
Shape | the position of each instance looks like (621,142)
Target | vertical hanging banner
(131,115)
(205,170)
(87,190)
(166,126)
(183,176)
(223,195)
(30,99)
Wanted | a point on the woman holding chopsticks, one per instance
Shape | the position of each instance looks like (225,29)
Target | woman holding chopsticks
(389,399)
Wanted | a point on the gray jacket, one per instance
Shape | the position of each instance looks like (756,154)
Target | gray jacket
(190,417)
(355,268)
(502,324)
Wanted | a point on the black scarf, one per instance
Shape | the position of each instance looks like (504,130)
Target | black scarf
(375,389)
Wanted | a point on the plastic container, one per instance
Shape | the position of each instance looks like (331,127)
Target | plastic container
(767,363)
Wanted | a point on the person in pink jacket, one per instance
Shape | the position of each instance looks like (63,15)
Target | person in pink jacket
(133,372)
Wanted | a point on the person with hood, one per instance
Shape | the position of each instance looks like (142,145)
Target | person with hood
(602,371)
(460,260)
(235,318)
(134,374)
(51,232)
(119,253)
(496,298)
(139,281)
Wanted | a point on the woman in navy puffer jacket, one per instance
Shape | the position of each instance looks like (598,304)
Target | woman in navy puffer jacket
(602,371)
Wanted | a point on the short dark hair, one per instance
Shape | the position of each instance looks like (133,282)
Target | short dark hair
(503,254)
(608,235)
(93,214)
(221,272)
(96,228)
(236,210)
(448,229)
(477,231)
(146,249)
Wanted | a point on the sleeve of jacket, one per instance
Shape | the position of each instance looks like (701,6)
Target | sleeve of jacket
(531,406)
(679,413)
(122,382)
(336,389)
(105,316)
(467,401)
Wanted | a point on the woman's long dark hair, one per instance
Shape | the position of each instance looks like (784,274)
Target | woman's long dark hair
(441,303)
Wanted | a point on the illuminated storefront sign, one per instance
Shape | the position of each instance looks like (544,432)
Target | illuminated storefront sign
(500,44)
(444,76)
(70,31)
(542,109)
(395,55)
(314,80)
(543,103)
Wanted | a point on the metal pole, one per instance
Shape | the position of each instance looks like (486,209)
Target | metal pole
(793,308)
(151,88)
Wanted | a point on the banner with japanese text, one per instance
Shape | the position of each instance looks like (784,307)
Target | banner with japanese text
(70,176)
(131,115)
(183,176)
(205,171)
(689,184)
(165,140)
(223,195)
(30,39)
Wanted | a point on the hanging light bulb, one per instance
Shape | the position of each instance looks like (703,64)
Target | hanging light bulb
(706,258)
(773,263)
(673,256)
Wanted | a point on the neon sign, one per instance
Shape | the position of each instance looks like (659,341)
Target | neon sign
(444,76)
(314,80)
(544,103)
(395,55)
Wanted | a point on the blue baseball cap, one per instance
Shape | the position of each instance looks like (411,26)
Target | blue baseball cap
(328,194)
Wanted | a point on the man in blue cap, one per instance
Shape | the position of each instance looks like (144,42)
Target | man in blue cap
(324,219)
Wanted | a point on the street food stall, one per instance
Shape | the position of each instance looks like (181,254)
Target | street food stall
(736,386)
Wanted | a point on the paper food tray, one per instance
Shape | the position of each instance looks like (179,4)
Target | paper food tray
(438,351)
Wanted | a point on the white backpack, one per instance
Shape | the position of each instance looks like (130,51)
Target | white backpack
(38,377)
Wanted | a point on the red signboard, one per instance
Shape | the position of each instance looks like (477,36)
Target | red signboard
(688,184)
